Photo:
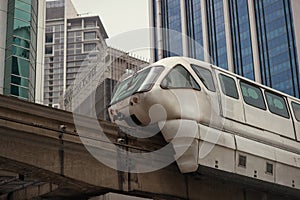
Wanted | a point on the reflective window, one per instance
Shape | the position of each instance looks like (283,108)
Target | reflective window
(252,95)
(277,49)
(20,14)
(241,38)
(21,42)
(228,86)
(276,104)
(296,109)
(172,23)
(20,67)
(18,51)
(19,91)
(205,76)
(179,77)
(216,33)
(194,28)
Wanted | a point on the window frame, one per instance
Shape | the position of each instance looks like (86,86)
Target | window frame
(284,100)
(193,66)
(171,88)
(261,92)
(222,88)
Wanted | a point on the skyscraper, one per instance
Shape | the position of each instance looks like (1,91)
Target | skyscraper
(70,40)
(76,43)
(22,26)
(256,39)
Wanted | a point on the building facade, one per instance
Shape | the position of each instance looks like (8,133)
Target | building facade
(21,48)
(95,89)
(259,40)
(71,40)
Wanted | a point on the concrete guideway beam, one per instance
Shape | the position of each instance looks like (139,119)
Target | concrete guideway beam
(32,143)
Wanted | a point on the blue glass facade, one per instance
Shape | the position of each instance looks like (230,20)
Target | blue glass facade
(216,33)
(276,44)
(241,38)
(277,51)
(172,23)
(194,29)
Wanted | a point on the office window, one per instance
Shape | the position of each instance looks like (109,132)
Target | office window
(49,37)
(89,47)
(48,50)
(89,35)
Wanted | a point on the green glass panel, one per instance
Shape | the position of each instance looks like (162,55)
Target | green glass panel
(20,67)
(19,91)
(27,1)
(19,51)
(23,5)
(22,29)
(20,14)
(21,42)
(20,81)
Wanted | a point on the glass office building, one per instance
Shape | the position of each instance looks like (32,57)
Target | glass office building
(21,19)
(256,39)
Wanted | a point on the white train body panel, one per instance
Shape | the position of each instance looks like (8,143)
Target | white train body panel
(247,129)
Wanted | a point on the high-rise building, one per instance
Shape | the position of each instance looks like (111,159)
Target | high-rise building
(256,39)
(21,48)
(71,39)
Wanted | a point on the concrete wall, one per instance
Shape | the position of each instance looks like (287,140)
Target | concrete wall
(113,196)
(3,17)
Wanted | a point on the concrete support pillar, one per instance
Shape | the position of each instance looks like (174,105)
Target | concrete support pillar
(159,29)
(254,41)
(185,48)
(205,31)
(228,36)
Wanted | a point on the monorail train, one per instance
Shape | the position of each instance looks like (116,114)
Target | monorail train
(253,130)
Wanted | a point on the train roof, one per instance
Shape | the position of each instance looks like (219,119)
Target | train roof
(171,61)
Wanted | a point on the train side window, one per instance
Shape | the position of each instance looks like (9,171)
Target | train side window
(252,95)
(205,76)
(228,86)
(276,104)
(179,77)
(296,109)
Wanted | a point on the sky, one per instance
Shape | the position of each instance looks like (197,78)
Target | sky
(119,17)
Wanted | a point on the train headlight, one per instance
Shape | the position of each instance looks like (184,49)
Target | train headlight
(135,100)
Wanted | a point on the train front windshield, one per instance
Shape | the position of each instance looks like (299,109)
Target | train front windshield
(138,82)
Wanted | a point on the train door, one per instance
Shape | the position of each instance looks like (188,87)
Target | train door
(230,98)
(266,109)
(295,110)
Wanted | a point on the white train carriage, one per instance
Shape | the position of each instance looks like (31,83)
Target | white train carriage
(232,124)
